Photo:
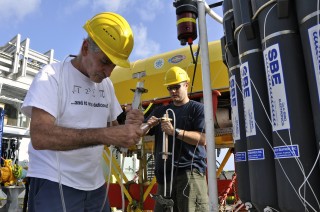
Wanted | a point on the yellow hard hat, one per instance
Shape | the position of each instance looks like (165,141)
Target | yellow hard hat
(175,75)
(112,33)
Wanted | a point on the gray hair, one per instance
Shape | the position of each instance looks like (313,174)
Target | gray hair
(92,45)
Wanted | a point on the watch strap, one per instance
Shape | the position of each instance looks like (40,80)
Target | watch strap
(177,132)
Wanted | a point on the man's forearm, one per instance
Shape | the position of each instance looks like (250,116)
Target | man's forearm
(46,135)
(59,138)
(192,137)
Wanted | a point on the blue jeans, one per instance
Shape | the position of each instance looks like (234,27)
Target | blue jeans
(189,192)
(44,195)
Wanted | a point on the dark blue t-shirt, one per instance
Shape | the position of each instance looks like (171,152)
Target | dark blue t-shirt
(189,117)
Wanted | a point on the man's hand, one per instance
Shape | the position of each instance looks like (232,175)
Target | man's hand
(131,133)
(167,127)
(134,116)
(126,135)
(153,121)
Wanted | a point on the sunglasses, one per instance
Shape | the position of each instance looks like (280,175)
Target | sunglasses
(174,87)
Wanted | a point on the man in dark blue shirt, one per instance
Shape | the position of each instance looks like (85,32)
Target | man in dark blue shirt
(180,173)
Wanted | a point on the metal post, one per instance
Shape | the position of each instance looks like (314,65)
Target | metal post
(12,193)
(208,108)
(1,130)
(16,57)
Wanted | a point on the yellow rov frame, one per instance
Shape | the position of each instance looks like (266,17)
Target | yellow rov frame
(151,72)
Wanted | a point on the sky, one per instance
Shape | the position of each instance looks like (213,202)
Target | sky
(58,25)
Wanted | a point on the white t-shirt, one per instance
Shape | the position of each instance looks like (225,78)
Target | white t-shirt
(83,104)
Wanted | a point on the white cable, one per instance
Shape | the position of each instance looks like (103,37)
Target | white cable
(109,177)
(164,157)
(318,49)
(316,161)
(165,151)
(269,142)
(194,152)
(165,178)
(263,7)
(261,131)
(110,167)
(298,162)
(303,200)
(57,153)
(306,180)
(58,123)
(284,172)
(269,208)
(173,147)
(60,185)
(121,183)
(297,159)
(172,158)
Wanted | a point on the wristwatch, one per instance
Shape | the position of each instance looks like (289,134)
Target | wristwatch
(177,132)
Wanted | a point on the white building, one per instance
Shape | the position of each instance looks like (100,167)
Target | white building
(18,66)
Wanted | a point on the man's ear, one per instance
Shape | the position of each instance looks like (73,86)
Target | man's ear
(85,47)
